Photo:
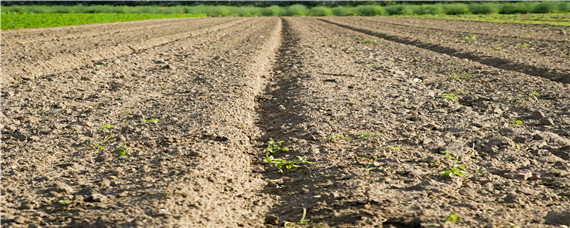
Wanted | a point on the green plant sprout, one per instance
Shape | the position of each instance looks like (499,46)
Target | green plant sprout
(435,163)
(300,222)
(122,150)
(498,48)
(367,135)
(280,163)
(458,77)
(370,41)
(108,134)
(452,217)
(523,45)
(95,146)
(393,148)
(164,87)
(448,155)
(334,138)
(457,170)
(515,122)
(534,95)
(371,162)
(469,38)
(450,96)
(516,145)
(273,147)
(63,202)
(152,121)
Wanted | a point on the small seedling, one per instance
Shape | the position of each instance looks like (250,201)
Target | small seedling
(448,155)
(370,41)
(367,135)
(280,163)
(334,138)
(371,162)
(457,170)
(515,122)
(450,96)
(435,163)
(152,121)
(300,222)
(534,95)
(469,38)
(95,146)
(498,48)
(452,217)
(516,145)
(122,150)
(273,147)
(393,148)
(458,77)
(108,135)
(523,45)
(164,87)
(63,202)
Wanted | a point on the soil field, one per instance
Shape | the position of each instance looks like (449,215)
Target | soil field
(171,123)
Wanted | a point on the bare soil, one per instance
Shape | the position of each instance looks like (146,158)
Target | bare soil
(381,107)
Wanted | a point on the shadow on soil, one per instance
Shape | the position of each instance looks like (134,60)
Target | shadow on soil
(486,60)
(281,118)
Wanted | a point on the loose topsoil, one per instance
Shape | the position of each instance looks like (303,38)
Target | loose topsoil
(166,123)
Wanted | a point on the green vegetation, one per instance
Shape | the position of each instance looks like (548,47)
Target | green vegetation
(280,163)
(273,147)
(459,77)
(562,19)
(152,121)
(515,122)
(16,21)
(300,222)
(457,170)
(334,138)
(122,150)
(469,38)
(449,96)
(452,217)
(35,16)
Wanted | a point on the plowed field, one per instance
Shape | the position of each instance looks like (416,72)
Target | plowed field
(405,122)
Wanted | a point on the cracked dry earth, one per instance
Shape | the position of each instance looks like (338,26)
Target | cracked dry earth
(381,107)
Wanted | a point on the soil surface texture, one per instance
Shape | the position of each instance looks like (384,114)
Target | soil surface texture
(272,122)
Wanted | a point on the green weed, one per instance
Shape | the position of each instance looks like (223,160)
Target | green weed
(523,45)
(393,148)
(435,163)
(367,135)
(273,147)
(334,138)
(452,217)
(152,121)
(469,38)
(515,122)
(301,221)
(122,150)
(498,48)
(370,41)
(449,96)
(457,170)
(458,77)
(448,155)
(280,163)
(95,146)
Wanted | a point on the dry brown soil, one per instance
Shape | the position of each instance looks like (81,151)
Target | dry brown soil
(381,107)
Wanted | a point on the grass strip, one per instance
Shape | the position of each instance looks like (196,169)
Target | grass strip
(551,19)
(17,21)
